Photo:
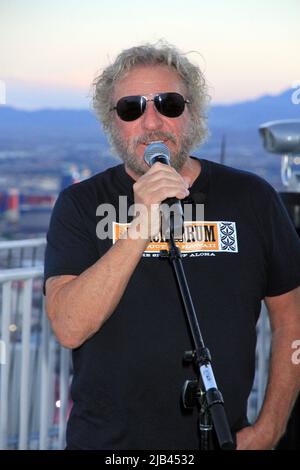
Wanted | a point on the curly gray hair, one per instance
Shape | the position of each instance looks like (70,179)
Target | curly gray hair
(157,54)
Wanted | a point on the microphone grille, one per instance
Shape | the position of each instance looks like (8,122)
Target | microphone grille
(156,149)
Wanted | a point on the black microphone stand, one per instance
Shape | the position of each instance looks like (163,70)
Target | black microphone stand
(203,392)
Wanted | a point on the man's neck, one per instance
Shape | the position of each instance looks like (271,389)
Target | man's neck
(191,170)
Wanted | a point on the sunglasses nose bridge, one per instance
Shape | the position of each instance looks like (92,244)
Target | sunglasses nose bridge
(151,118)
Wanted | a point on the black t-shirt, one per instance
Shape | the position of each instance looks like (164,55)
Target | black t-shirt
(128,377)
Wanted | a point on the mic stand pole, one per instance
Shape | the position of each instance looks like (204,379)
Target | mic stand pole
(203,392)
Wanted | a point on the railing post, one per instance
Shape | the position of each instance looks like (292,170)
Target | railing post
(25,363)
(44,414)
(4,368)
(63,393)
(263,355)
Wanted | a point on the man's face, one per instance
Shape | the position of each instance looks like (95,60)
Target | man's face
(131,138)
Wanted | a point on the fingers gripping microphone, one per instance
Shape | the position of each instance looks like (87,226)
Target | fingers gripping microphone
(171,207)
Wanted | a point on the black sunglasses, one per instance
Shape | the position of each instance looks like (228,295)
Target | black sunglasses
(130,108)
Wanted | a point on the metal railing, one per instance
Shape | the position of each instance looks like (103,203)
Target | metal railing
(22,253)
(34,368)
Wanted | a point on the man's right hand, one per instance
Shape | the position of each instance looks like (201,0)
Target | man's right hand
(150,190)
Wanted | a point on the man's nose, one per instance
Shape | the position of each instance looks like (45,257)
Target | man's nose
(151,119)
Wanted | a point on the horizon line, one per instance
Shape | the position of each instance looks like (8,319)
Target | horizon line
(87,108)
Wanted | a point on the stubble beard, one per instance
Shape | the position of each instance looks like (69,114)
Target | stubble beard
(126,149)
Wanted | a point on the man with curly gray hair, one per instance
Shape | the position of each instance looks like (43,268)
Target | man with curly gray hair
(114,301)
(149,57)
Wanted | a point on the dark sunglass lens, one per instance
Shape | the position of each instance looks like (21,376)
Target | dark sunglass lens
(130,108)
(170,104)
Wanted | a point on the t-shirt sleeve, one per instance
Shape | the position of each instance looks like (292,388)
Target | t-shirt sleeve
(283,259)
(70,248)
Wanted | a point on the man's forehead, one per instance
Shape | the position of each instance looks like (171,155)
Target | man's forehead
(149,79)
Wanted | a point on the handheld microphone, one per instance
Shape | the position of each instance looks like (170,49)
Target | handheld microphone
(159,152)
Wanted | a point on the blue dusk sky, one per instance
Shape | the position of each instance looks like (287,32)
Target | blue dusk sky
(50,51)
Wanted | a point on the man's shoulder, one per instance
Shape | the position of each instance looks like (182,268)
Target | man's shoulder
(236,178)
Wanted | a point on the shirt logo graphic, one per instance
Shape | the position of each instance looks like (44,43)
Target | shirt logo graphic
(204,236)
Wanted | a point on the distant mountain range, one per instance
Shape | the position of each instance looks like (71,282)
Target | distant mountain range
(48,125)
(253,113)
(68,135)
(81,125)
